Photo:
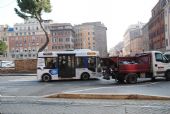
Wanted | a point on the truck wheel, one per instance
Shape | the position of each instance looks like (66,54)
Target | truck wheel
(168,75)
(85,76)
(153,79)
(46,78)
(121,80)
(131,78)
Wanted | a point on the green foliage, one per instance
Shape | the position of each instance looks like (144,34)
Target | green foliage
(3,47)
(34,9)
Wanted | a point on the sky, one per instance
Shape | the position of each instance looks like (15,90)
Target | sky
(116,15)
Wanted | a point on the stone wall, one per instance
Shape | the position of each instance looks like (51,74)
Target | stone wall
(22,66)
(29,65)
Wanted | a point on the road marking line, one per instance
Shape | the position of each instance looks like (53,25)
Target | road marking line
(22,79)
(74,91)
(1,96)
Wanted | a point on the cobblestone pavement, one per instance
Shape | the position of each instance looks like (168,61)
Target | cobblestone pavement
(36,105)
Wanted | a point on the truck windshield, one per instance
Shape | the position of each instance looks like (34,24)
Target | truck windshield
(160,57)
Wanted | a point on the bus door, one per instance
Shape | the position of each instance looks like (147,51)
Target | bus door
(66,68)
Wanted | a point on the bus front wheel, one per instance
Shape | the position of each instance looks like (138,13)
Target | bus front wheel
(46,78)
(85,76)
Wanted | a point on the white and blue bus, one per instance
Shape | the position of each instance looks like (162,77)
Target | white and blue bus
(77,64)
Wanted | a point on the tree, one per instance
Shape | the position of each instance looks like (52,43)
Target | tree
(34,9)
(3,47)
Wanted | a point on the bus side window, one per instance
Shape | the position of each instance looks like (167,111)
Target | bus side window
(79,62)
(55,63)
(92,63)
(50,63)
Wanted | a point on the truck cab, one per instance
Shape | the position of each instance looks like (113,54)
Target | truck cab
(160,65)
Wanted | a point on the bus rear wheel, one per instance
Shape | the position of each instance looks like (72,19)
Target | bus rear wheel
(85,76)
(46,78)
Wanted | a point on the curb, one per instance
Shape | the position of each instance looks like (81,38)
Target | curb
(107,96)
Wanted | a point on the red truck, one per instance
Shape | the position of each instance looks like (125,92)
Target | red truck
(127,69)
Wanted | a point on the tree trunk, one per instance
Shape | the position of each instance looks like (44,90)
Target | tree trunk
(47,38)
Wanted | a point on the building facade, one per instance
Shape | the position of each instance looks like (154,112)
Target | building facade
(117,50)
(27,38)
(167,24)
(62,36)
(156,27)
(133,40)
(91,36)
(145,36)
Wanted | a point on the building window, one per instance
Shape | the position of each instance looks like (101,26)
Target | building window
(60,40)
(165,13)
(67,39)
(52,47)
(88,33)
(165,27)
(13,56)
(166,42)
(21,55)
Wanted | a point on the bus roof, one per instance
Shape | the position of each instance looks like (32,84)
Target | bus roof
(77,52)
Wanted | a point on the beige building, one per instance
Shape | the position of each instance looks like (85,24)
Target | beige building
(133,40)
(117,50)
(145,35)
(91,36)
